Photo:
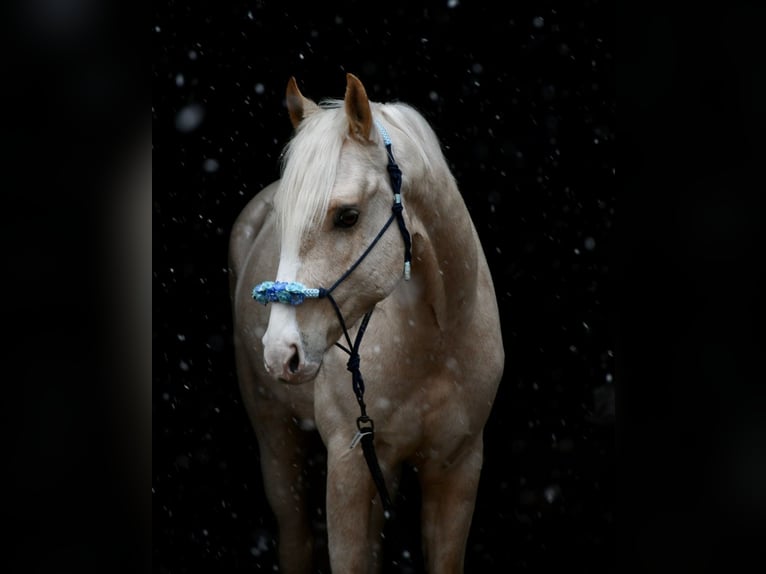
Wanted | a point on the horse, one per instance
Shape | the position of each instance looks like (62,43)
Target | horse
(365,216)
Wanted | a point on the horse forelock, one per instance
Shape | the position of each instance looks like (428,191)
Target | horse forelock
(309,169)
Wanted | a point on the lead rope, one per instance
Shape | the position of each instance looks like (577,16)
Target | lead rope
(294,294)
(365,425)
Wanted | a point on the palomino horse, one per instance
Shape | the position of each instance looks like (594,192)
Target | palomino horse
(366,215)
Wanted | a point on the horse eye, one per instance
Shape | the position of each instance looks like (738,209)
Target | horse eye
(346,217)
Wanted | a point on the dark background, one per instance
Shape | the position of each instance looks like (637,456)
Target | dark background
(522,96)
(672,283)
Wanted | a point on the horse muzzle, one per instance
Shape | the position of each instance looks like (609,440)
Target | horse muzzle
(288,363)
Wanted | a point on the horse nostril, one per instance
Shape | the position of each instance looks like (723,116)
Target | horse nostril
(295,361)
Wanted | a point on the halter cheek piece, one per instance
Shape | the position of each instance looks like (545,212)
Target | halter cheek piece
(293,293)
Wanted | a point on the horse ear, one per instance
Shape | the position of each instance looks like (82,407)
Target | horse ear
(357,108)
(298,106)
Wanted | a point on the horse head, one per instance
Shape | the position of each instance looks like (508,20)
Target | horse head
(334,207)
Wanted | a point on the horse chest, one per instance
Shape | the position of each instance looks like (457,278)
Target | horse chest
(414,411)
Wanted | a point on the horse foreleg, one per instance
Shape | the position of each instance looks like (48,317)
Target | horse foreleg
(448,501)
(354,518)
(282,453)
(282,449)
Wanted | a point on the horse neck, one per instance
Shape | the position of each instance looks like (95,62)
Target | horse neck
(446,251)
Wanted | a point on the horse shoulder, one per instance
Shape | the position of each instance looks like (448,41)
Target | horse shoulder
(253,222)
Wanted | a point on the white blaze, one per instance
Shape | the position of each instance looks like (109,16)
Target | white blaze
(282,336)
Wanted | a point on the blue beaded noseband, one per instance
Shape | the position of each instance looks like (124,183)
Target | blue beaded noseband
(294,293)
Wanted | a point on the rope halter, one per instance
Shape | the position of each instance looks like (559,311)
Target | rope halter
(294,293)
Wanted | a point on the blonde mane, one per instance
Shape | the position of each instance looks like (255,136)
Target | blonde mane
(309,168)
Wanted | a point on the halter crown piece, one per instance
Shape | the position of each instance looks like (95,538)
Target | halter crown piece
(294,293)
